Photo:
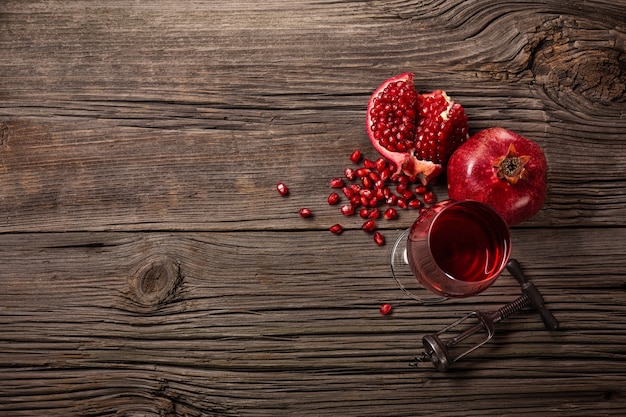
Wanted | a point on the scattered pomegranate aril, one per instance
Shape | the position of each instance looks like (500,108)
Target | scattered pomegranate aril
(385,174)
(362,172)
(402,179)
(407,195)
(364,213)
(333,199)
(369,226)
(385,309)
(380,164)
(380,194)
(379,238)
(390,214)
(336,229)
(429,197)
(374,214)
(355,156)
(348,192)
(347,210)
(367,193)
(305,212)
(282,189)
(349,174)
(420,189)
(415,204)
(369,164)
(336,183)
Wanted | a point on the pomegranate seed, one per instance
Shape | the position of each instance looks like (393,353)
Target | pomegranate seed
(402,179)
(374,176)
(349,174)
(379,238)
(348,192)
(369,164)
(333,199)
(415,204)
(356,156)
(402,203)
(391,213)
(355,201)
(400,188)
(367,182)
(381,164)
(385,309)
(420,189)
(305,212)
(379,194)
(369,226)
(366,193)
(373,202)
(336,183)
(429,197)
(385,174)
(336,229)
(347,210)
(374,214)
(282,189)
(407,195)
(362,172)
(364,213)
(356,188)
(392,200)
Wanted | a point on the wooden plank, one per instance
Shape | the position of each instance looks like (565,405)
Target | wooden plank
(121,128)
(148,266)
(261,323)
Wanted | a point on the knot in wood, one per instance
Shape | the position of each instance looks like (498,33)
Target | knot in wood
(156,281)
(570,58)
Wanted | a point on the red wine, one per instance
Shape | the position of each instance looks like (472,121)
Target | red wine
(458,249)
(467,245)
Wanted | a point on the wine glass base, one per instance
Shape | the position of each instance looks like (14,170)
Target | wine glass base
(403,275)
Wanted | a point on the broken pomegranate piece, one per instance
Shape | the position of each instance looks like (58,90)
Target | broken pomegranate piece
(416,132)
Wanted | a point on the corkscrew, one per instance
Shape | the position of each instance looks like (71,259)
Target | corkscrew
(439,349)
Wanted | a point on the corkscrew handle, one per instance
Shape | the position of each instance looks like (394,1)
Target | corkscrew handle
(533,294)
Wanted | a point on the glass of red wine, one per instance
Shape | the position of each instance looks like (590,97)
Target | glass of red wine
(453,249)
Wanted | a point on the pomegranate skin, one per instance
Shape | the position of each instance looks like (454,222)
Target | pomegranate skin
(474,172)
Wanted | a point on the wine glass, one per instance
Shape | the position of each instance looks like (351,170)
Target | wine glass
(453,249)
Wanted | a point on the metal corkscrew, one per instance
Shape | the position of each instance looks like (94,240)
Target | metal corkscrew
(439,350)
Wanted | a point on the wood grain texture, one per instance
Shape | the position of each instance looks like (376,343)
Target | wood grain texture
(148,267)
(150,321)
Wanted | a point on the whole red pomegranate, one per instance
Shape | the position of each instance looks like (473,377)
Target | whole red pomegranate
(416,132)
(500,168)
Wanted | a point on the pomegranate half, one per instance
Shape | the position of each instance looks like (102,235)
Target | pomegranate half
(500,168)
(416,132)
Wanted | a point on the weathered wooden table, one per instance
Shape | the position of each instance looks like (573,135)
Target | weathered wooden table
(148,266)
